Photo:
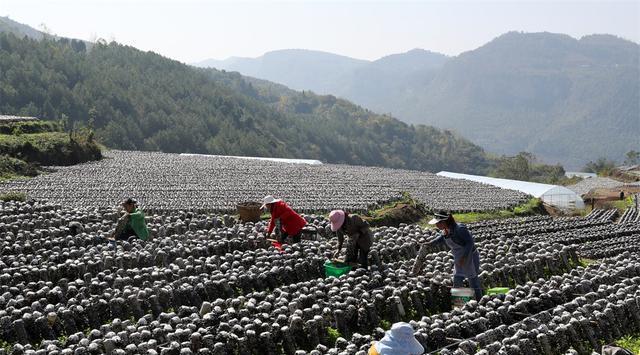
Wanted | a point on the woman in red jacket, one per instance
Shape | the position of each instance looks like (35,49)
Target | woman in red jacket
(291,223)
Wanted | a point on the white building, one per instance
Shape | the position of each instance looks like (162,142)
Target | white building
(554,195)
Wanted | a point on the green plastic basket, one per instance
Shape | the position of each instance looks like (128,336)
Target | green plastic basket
(497,291)
(335,269)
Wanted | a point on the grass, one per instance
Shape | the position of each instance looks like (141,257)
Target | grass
(631,342)
(13,196)
(405,199)
(411,315)
(5,346)
(529,208)
(14,168)
(30,127)
(334,334)
(385,324)
(405,210)
(584,262)
(49,148)
(624,204)
(62,339)
(22,153)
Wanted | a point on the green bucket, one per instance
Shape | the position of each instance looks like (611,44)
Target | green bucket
(335,269)
(497,291)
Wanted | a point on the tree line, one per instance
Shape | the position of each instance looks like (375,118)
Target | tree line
(139,100)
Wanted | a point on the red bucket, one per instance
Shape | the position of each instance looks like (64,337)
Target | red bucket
(277,245)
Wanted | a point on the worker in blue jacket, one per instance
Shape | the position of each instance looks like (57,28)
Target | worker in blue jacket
(466,259)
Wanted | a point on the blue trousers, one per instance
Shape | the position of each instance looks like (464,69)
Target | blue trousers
(474,283)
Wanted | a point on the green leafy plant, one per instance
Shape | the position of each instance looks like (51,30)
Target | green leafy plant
(334,334)
(630,342)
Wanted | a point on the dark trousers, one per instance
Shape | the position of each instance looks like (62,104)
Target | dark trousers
(126,234)
(295,238)
(360,255)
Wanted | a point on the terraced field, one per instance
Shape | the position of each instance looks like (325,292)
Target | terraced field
(207,285)
(172,182)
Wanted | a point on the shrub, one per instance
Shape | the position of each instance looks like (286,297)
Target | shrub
(13,196)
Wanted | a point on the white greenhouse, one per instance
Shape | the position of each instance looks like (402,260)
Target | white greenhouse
(554,195)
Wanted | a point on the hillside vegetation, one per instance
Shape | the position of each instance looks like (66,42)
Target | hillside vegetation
(27,146)
(563,99)
(142,101)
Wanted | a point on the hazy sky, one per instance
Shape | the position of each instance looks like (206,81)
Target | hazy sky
(191,30)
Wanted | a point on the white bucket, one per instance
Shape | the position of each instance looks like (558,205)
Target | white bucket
(460,296)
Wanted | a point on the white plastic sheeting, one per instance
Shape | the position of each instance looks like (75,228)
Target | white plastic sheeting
(279,160)
(558,196)
(580,174)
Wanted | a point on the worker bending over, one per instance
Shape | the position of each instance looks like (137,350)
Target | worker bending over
(291,223)
(359,236)
(466,259)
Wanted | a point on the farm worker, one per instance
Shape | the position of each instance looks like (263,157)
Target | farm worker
(466,259)
(359,241)
(291,223)
(399,340)
(131,225)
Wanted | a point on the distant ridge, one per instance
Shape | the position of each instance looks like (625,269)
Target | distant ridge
(566,100)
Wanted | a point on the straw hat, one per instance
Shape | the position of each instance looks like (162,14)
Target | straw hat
(267,200)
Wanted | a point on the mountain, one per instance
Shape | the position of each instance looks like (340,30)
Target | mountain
(563,99)
(389,83)
(378,85)
(295,68)
(8,25)
(142,101)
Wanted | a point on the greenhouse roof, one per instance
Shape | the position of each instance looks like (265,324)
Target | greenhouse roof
(532,188)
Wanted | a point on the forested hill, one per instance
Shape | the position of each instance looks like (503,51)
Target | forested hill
(140,100)
(563,99)
(566,100)
(19,29)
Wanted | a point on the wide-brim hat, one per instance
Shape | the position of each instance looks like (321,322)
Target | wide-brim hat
(336,219)
(440,216)
(267,200)
(399,340)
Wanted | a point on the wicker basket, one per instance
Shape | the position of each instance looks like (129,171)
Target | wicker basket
(249,211)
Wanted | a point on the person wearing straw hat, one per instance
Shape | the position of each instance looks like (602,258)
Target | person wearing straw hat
(291,223)
(466,259)
(399,340)
(359,241)
(131,225)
